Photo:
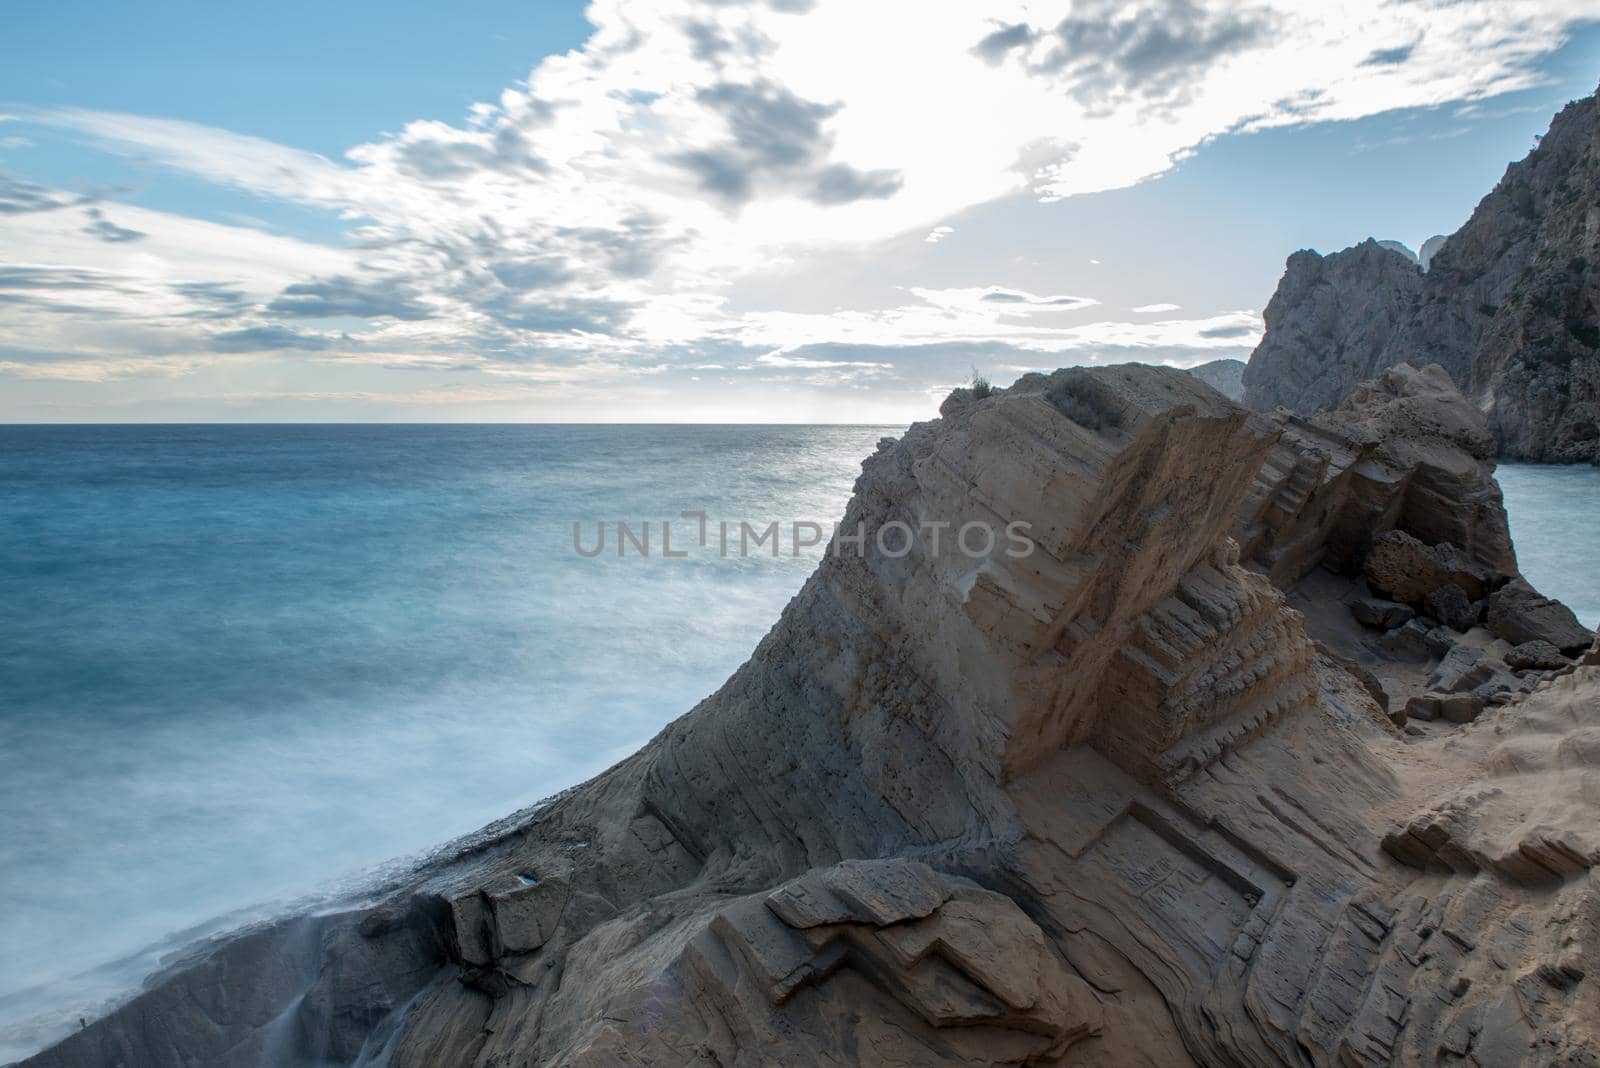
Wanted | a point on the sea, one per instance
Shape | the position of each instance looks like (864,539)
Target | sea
(241,665)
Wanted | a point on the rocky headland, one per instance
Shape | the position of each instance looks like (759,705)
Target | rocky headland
(1266,755)
(1509,306)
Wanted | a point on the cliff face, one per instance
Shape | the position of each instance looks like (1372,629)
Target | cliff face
(1509,305)
(1115,801)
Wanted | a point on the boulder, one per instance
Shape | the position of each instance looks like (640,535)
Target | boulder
(1414,641)
(1403,568)
(1538,655)
(1379,614)
(1454,707)
(1519,614)
(1463,668)
(1449,605)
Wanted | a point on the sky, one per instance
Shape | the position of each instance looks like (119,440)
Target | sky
(708,210)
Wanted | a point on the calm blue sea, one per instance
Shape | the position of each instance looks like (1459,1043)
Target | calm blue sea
(1555,526)
(240,663)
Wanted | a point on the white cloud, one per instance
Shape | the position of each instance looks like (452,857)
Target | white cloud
(773,359)
(607,209)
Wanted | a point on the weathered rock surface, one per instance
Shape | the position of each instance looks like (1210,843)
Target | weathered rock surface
(1519,614)
(1509,305)
(1111,802)
(1539,655)
(1380,614)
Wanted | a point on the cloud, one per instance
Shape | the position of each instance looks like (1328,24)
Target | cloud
(1389,56)
(1151,49)
(106,230)
(997,300)
(995,46)
(344,296)
(1233,330)
(225,158)
(17,196)
(776,137)
(840,183)
(773,359)
(24,277)
(637,196)
(269,337)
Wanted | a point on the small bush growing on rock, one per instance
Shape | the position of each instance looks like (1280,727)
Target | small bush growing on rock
(1072,396)
(980,385)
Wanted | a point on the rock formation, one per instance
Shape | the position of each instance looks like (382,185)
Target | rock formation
(1135,797)
(1509,306)
(1429,248)
(1224,376)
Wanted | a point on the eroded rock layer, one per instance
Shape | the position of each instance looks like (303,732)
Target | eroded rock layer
(1147,794)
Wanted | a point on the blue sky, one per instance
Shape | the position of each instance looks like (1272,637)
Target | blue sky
(799,210)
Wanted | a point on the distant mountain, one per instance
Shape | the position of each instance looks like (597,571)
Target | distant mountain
(1509,305)
(1402,248)
(1224,376)
(1429,247)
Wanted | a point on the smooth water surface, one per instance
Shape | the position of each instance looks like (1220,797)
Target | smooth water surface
(1555,526)
(238,662)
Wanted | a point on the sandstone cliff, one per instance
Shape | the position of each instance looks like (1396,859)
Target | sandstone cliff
(1149,795)
(1509,305)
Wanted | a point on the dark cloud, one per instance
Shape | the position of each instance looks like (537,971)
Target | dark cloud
(1155,49)
(539,273)
(57,307)
(770,125)
(720,173)
(1001,296)
(340,296)
(840,183)
(217,300)
(508,152)
(778,136)
(564,316)
(106,230)
(773,133)
(630,250)
(707,43)
(53,278)
(1390,56)
(43,288)
(18,196)
(994,48)
(1228,331)
(267,338)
